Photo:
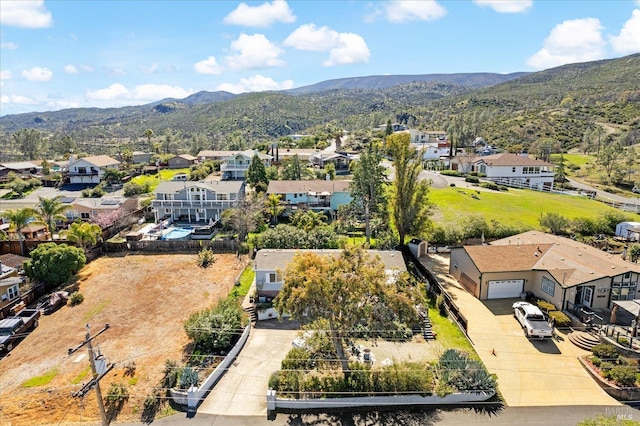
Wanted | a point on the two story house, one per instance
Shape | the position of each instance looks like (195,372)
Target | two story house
(317,195)
(90,170)
(236,165)
(557,269)
(181,161)
(200,202)
(516,170)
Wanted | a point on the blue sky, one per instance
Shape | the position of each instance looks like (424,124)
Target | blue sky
(66,54)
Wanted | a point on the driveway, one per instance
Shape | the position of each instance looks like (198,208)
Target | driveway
(530,372)
(242,391)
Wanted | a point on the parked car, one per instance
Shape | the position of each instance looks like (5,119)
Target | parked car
(226,176)
(532,320)
(14,328)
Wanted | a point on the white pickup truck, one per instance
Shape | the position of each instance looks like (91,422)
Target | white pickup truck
(532,320)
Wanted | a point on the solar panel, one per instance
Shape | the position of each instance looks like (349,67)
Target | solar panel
(67,200)
(110,202)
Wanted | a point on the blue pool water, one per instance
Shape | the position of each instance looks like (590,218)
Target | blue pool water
(177,234)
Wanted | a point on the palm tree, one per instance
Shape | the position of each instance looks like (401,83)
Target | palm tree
(149,134)
(49,210)
(18,219)
(274,207)
(83,234)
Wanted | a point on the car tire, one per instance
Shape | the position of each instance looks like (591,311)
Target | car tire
(36,324)
(9,346)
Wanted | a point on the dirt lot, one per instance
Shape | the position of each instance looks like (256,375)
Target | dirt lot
(145,299)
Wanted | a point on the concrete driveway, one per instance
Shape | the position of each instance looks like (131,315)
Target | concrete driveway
(530,372)
(242,391)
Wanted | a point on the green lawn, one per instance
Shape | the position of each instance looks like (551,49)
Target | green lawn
(577,159)
(513,207)
(154,180)
(246,279)
(43,380)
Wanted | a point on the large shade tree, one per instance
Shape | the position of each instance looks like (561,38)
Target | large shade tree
(409,203)
(54,263)
(257,174)
(346,290)
(367,185)
(245,216)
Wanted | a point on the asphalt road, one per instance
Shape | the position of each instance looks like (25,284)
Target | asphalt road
(489,415)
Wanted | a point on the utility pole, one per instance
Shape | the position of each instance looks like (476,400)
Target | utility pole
(97,375)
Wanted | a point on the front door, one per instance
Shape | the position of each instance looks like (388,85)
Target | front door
(587,296)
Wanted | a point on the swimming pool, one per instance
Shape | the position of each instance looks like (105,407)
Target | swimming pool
(177,234)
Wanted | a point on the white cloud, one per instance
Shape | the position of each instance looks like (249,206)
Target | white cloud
(260,16)
(37,74)
(71,69)
(17,99)
(114,91)
(154,92)
(25,13)
(254,51)
(506,6)
(86,68)
(5,75)
(149,69)
(410,10)
(9,45)
(209,66)
(578,40)
(255,83)
(308,37)
(628,41)
(344,48)
(115,71)
(352,50)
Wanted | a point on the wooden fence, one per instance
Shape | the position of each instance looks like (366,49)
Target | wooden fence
(218,246)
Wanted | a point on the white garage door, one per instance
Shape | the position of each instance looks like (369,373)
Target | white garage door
(504,289)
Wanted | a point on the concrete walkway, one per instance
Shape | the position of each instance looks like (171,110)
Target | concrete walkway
(530,372)
(242,390)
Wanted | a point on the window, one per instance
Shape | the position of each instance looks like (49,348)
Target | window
(84,215)
(167,211)
(623,290)
(548,286)
(82,170)
(12,292)
(273,277)
(513,170)
(223,197)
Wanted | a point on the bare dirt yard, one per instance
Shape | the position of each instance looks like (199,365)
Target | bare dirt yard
(145,299)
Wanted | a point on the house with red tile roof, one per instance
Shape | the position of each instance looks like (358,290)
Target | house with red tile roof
(515,170)
(557,269)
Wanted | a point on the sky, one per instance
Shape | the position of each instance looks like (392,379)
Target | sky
(68,54)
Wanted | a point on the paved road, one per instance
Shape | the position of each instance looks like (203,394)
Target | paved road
(522,416)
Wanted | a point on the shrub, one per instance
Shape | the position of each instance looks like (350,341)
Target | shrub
(623,375)
(490,185)
(450,173)
(472,179)
(118,392)
(560,319)
(545,306)
(214,329)
(206,258)
(440,304)
(171,372)
(188,377)
(605,351)
(623,341)
(595,360)
(75,298)
(605,367)
(133,188)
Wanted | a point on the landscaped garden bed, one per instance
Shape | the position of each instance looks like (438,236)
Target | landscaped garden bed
(617,375)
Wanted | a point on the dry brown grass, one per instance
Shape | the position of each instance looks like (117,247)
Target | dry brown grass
(145,299)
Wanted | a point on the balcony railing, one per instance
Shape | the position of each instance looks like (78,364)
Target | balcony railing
(88,173)
(202,204)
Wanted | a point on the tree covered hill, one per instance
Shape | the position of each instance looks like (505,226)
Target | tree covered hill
(566,104)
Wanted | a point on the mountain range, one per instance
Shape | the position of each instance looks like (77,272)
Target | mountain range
(560,103)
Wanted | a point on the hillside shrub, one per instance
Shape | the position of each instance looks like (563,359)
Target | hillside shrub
(206,258)
(134,188)
(118,392)
(75,298)
(215,329)
(450,173)
(472,179)
(490,185)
